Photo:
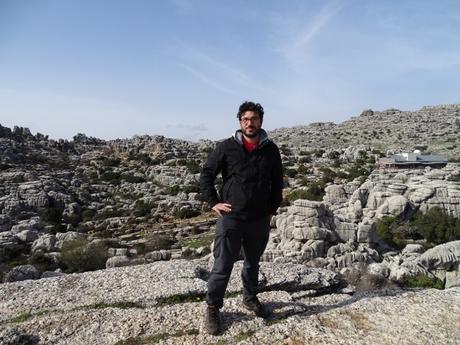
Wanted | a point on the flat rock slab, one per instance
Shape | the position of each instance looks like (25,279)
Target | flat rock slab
(146,285)
(112,306)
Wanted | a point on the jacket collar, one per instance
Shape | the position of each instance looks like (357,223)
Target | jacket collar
(238,136)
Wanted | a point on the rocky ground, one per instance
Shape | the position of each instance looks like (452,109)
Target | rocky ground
(162,303)
(85,204)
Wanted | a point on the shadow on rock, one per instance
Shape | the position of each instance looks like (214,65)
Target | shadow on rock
(17,337)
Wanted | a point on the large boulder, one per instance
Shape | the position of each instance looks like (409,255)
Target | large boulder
(23,272)
(46,243)
(444,256)
(397,205)
(63,237)
(117,261)
(27,236)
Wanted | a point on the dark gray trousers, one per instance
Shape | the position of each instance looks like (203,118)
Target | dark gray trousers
(231,234)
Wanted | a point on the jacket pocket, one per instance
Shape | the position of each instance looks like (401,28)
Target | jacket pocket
(226,191)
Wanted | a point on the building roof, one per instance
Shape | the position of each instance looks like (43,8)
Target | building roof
(413,158)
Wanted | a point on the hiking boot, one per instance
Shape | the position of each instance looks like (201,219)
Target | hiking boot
(258,308)
(212,319)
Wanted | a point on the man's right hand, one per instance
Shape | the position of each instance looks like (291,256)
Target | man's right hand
(222,208)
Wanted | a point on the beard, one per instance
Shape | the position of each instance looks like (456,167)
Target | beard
(251,132)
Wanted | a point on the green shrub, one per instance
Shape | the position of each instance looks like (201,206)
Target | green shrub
(42,261)
(73,219)
(51,215)
(173,190)
(133,178)
(305,159)
(88,214)
(336,163)
(303,170)
(111,176)
(290,172)
(185,213)
(333,155)
(385,229)
(423,281)
(285,150)
(437,226)
(328,175)
(315,192)
(141,208)
(111,162)
(80,256)
(191,188)
(193,166)
(357,170)
(319,153)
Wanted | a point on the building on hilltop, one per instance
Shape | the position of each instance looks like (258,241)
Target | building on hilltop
(412,160)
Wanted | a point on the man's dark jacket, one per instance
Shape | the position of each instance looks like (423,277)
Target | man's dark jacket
(252,182)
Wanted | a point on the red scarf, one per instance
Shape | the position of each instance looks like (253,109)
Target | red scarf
(249,146)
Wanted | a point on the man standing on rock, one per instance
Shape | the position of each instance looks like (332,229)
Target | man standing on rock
(252,182)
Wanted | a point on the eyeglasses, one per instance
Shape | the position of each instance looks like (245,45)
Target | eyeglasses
(250,119)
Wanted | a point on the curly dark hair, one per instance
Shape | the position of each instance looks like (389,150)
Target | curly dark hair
(251,106)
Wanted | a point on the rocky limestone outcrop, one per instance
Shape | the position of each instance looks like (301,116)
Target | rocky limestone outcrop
(161,303)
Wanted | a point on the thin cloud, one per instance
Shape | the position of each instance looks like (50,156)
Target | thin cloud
(207,80)
(225,77)
(296,50)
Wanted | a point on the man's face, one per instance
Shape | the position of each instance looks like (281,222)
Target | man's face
(250,124)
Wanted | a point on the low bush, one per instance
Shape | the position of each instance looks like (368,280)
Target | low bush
(437,226)
(88,214)
(80,255)
(141,208)
(111,177)
(42,261)
(111,162)
(173,190)
(51,215)
(385,229)
(290,172)
(303,170)
(192,188)
(73,219)
(315,192)
(185,213)
(357,170)
(423,281)
(193,166)
(133,178)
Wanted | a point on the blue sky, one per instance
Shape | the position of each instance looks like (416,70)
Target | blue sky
(180,68)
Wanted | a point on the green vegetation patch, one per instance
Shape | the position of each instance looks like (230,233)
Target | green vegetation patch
(202,241)
(423,281)
(80,256)
(26,316)
(189,298)
(118,305)
(436,226)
